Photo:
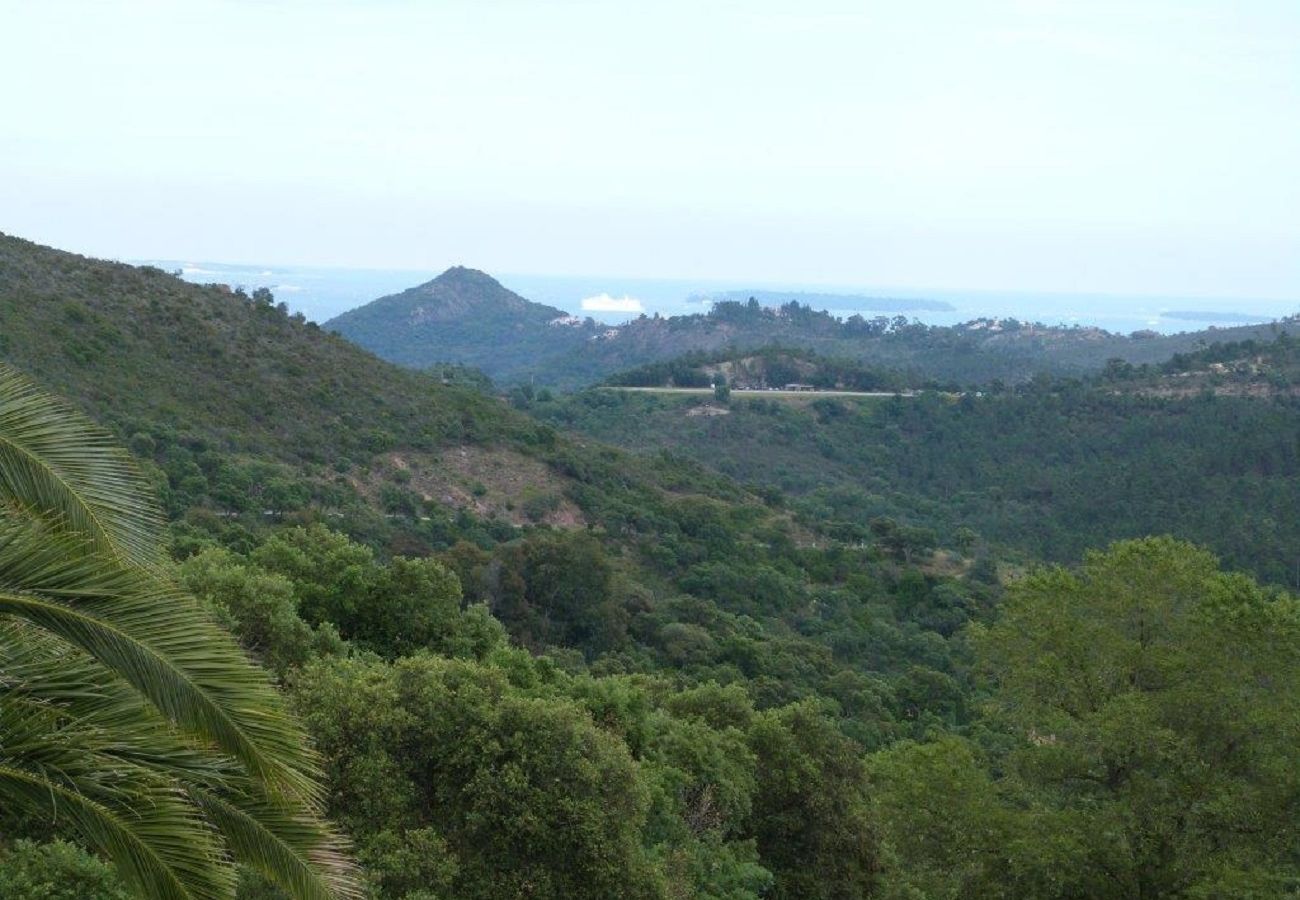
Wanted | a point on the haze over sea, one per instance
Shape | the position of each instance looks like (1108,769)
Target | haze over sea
(321,293)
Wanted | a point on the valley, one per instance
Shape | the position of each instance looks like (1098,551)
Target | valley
(707,570)
(675,451)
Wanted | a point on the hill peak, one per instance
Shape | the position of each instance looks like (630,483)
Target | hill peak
(468,276)
(463,316)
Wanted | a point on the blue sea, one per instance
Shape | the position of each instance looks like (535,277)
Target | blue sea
(321,293)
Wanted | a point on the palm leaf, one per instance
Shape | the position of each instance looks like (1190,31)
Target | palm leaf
(80,703)
(125,712)
(57,465)
(161,643)
(296,852)
(160,844)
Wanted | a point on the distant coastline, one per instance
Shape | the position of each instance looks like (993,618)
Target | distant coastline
(1234,318)
(321,293)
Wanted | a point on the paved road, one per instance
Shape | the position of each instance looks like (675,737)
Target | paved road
(760,393)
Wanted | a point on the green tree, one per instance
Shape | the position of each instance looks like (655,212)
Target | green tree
(1156,700)
(517,796)
(393,609)
(903,542)
(56,871)
(812,820)
(259,607)
(721,389)
(127,716)
(945,830)
(559,589)
(965,539)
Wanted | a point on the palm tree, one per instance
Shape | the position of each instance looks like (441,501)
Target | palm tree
(126,715)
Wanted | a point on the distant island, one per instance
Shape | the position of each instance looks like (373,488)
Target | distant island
(1234,318)
(863,302)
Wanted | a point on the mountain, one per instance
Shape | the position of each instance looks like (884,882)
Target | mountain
(698,689)
(135,345)
(466,317)
(249,420)
(245,411)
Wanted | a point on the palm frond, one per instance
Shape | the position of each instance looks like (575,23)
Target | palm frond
(125,711)
(57,465)
(161,643)
(44,674)
(142,822)
(75,702)
(299,853)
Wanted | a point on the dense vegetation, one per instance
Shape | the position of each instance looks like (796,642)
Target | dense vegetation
(865,302)
(1133,739)
(141,350)
(1048,468)
(537,666)
(767,368)
(1236,368)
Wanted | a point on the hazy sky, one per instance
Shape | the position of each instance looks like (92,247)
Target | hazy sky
(1134,146)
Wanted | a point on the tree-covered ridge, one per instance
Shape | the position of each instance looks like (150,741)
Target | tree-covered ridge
(1046,469)
(136,345)
(465,317)
(245,412)
(766,368)
(1251,368)
(875,303)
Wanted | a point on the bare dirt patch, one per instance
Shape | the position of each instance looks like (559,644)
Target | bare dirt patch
(492,483)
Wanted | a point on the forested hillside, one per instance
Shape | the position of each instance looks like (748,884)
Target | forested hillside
(137,345)
(584,593)
(768,368)
(538,666)
(1245,368)
(1047,469)
(465,317)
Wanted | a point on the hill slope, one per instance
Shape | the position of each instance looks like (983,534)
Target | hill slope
(253,419)
(465,317)
(248,412)
(1206,447)
(135,345)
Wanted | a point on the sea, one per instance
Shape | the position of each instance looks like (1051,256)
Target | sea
(320,293)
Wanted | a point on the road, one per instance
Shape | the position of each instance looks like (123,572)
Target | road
(737,392)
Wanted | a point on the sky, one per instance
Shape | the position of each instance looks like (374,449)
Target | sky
(1143,146)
